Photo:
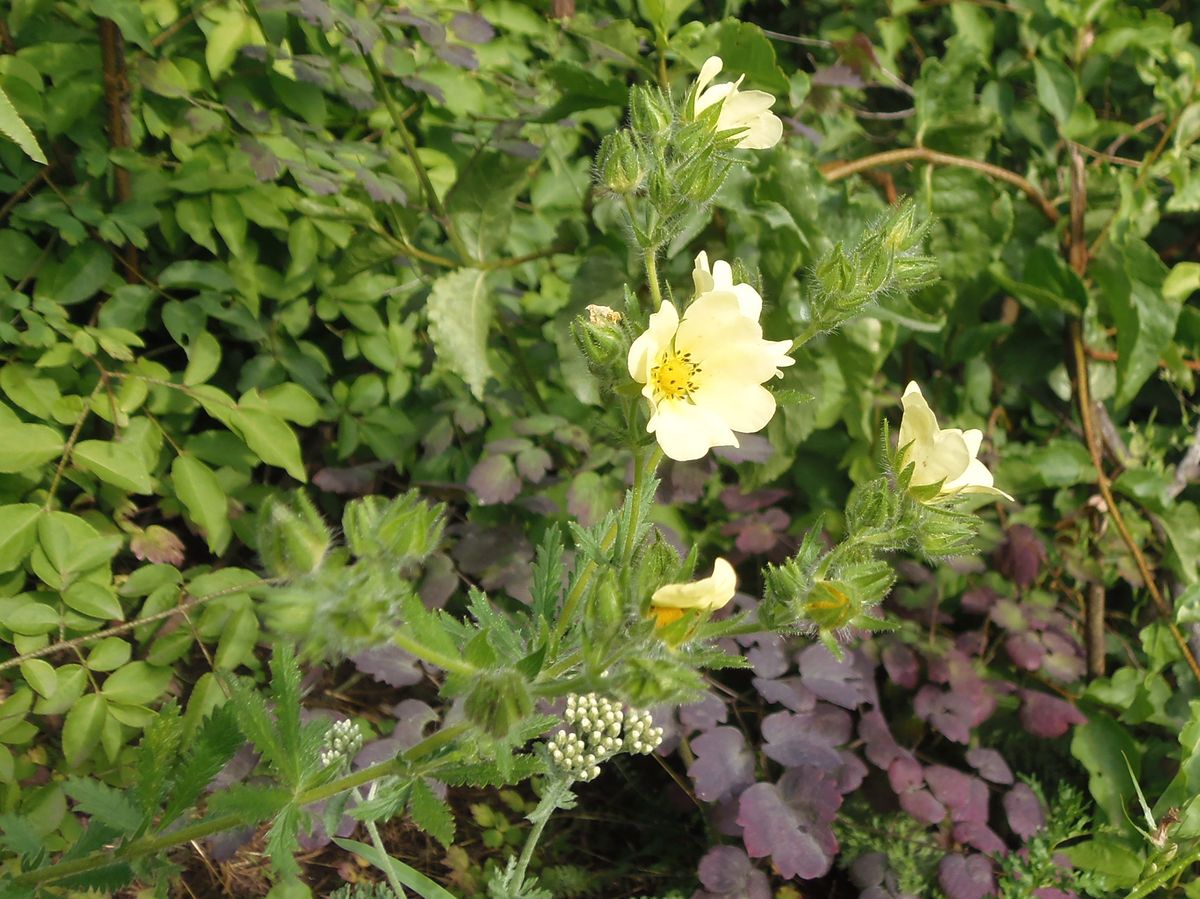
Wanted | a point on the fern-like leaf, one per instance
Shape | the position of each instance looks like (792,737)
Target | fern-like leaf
(431,813)
(216,742)
(104,804)
(14,128)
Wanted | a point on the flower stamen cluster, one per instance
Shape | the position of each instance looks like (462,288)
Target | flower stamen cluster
(602,729)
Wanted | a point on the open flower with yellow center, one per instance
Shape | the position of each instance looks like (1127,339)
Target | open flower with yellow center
(704,373)
(947,456)
(708,594)
(748,111)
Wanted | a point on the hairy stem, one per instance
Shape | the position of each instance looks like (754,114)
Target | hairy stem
(162,842)
(377,842)
(555,793)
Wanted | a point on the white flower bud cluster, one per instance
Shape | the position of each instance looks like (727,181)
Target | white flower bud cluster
(342,743)
(602,729)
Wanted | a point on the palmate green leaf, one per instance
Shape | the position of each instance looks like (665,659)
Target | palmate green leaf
(460,316)
(282,841)
(14,128)
(285,689)
(431,813)
(204,500)
(109,806)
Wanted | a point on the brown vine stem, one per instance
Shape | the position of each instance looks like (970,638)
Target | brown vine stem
(116,96)
(1079,254)
(1118,520)
(180,609)
(835,171)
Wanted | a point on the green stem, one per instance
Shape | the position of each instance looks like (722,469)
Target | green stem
(443,661)
(652,276)
(540,816)
(384,858)
(161,842)
(1175,869)
(579,588)
(422,175)
(641,465)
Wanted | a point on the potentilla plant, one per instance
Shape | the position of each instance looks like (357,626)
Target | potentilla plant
(553,690)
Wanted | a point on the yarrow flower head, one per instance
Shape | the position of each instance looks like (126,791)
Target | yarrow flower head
(747,111)
(670,601)
(341,744)
(946,456)
(704,372)
(602,729)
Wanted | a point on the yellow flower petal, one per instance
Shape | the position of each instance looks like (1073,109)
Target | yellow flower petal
(706,594)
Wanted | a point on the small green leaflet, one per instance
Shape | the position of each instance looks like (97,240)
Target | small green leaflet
(14,128)
(460,315)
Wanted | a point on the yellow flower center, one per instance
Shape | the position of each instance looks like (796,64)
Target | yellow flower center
(674,376)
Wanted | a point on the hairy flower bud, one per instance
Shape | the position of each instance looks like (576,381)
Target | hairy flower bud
(650,112)
(498,702)
(830,605)
(619,164)
(293,538)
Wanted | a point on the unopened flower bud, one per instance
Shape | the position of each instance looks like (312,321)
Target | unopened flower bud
(619,164)
(498,702)
(649,112)
(293,537)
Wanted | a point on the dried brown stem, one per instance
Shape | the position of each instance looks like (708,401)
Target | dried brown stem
(116,97)
(835,171)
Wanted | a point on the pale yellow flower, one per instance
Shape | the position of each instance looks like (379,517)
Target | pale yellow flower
(704,373)
(708,594)
(947,456)
(749,111)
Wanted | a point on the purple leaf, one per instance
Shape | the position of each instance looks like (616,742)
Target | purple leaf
(723,763)
(789,821)
(684,482)
(789,692)
(966,876)
(949,713)
(752,448)
(979,600)
(952,788)
(979,836)
(921,805)
(1024,810)
(458,56)
(726,872)
(1025,650)
(703,715)
(1048,716)
(472,28)
(494,480)
(740,503)
(1021,556)
(768,656)
(900,662)
(389,665)
(990,764)
(881,747)
(840,682)
(809,738)
(906,774)
(533,463)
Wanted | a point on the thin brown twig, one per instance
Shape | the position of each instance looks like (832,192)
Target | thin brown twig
(24,190)
(835,171)
(1112,356)
(1141,126)
(1144,171)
